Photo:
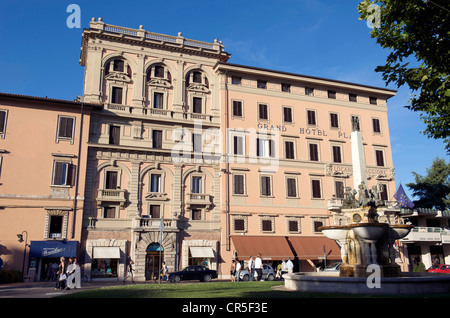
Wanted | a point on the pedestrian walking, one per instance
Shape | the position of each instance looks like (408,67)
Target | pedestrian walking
(251,269)
(61,274)
(289,266)
(238,270)
(129,272)
(164,271)
(233,270)
(258,266)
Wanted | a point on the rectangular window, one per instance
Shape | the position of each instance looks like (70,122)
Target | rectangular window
(311,117)
(155,211)
(116,97)
(62,173)
(159,71)
(289,150)
(197,77)
(376,125)
(262,84)
(316,192)
(267,225)
(286,88)
(196,143)
(379,158)
(293,226)
(157,139)
(114,135)
(196,214)
(197,105)
(373,100)
(118,66)
(337,158)
(287,114)
(158,100)
(334,120)
(352,97)
(65,127)
(196,186)
(313,152)
(332,94)
(237,108)
(239,225)
(2,121)
(339,185)
(291,184)
(236,80)
(383,192)
(355,119)
(309,91)
(263,112)
(111,180)
(155,183)
(109,212)
(265,147)
(238,184)
(56,226)
(266,186)
(238,145)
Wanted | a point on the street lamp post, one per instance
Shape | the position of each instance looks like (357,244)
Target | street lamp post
(20,237)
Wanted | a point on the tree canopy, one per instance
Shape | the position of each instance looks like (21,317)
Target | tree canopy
(433,190)
(416,33)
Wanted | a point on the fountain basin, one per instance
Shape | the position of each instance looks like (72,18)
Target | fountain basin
(335,232)
(369,231)
(405,284)
(399,231)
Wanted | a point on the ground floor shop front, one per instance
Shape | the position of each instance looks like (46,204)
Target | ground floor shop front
(107,258)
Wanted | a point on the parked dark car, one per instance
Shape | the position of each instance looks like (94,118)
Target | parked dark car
(268,273)
(193,272)
(439,268)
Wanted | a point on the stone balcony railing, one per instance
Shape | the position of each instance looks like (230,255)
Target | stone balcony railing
(428,234)
(112,195)
(199,199)
(162,113)
(163,38)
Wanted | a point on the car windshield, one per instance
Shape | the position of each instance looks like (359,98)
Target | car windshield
(435,266)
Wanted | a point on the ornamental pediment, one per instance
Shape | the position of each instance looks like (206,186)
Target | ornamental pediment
(118,76)
(160,82)
(198,87)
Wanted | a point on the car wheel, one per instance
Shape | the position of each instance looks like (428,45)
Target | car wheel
(176,279)
(207,278)
(270,277)
(245,278)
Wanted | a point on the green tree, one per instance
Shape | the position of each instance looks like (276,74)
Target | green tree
(433,190)
(416,34)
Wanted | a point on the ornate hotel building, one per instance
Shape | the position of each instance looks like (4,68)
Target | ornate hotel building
(194,160)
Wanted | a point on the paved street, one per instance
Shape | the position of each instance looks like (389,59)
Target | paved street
(45,289)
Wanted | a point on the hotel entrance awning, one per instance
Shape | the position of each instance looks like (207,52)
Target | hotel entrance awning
(310,247)
(270,247)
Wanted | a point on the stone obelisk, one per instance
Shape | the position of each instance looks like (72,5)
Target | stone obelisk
(358,158)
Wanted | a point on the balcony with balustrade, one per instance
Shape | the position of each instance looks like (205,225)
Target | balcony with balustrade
(112,195)
(201,200)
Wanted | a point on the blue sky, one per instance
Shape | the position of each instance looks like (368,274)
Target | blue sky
(39,54)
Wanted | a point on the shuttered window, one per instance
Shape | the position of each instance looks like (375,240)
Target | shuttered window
(238,184)
(313,152)
(316,193)
(265,186)
(311,117)
(65,127)
(291,187)
(337,154)
(289,149)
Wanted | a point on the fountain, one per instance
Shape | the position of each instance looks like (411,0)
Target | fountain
(366,229)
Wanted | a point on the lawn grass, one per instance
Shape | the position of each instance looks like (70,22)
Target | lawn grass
(193,290)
